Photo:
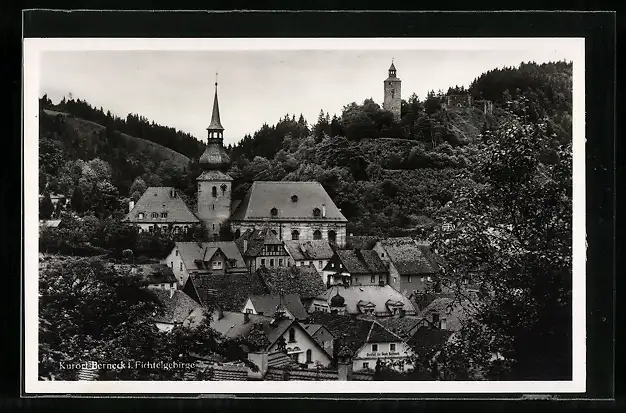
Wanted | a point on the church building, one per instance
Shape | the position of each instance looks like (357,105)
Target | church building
(393,96)
(292,210)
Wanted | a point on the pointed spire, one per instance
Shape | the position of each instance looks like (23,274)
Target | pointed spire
(392,67)
(216,124)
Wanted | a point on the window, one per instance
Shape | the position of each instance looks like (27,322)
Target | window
(163,214)
(382,255)
(274,212)
(214,192)
(172,264)
(217,265)
(155,215)
(263,262)
(271,262)
(392,347)
(237,233)
(395,280)
(280,262)
(140,215)
(356,280)
(180,266)
(321,264)
(373,279)
(302,263)
(435,318)
(213,206)
(223,188)
(249,310)
(317,234)
(295,235)
(292,335)
(294,198)
(316,212)
(295,357)
(366,365)
(332,236)
(410,278)
(309,356)
(374,347)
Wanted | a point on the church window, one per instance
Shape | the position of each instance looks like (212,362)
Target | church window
(332,236)
(163,214)
(295,235)
(317,234)
(294,198)
(214,192)
(155,215)
(316,212)
(274,212)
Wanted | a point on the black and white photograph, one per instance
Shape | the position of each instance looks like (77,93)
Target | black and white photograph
(395,214)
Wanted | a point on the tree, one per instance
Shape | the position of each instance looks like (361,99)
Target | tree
(78,200)
(46,208)
(514,238)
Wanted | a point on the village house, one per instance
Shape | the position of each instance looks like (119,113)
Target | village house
(268,305)
(445,313)
(322,335)
(355,267)
(205,257)
(412,266)
(303,281)
(178,309)
(261,248)
(161,209)
(373,300)
(272,334)
(156,276)
(314,253)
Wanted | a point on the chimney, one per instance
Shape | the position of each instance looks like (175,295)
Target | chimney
(131,205)
(323,210)
(260,359)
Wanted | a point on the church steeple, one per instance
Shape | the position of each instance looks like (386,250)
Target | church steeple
(214,156)
(216,124)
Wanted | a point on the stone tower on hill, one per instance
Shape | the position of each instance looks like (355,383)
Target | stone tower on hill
(214,184)
(393,97)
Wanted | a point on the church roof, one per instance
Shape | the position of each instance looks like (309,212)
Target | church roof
(213,175)
(392,67)
(294,201)
(216,124)
(309,250)
(214,156)
(160,199)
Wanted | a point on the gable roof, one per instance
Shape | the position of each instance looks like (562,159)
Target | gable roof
(361,261)
(177,306)
(192,251)
(379,334)
(400,326)
(309,250)
(448,308)
(229,291)
(159,199)
(256,240)
(410,257)
(349,330)
(302,280)
(267,304)
(357,295)
(232,323)
(155,273)
(263,196)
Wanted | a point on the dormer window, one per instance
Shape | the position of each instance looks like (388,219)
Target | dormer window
(295,235)
(163,214)
(294,198)
(316,212)
(140,215)
(274,212)
(155,215)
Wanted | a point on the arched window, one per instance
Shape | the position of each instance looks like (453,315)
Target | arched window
(317,234)
(295,235)
(214,192)
(155,215)
(274,212)
(309,356)
(292,335)
(316,212)
(332,236)
(294,198)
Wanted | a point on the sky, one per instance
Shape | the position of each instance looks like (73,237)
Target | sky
(175,88)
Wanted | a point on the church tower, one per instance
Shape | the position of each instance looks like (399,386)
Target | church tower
(393,98)
(214,184)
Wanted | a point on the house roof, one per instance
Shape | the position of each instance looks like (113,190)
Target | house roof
(361,261)
(232,323)
(256,240)
(177,306)
(279,359)
(159,199)
(263,196)
(426,340)
(192,251)
(155,273)
(229,291)
(401,325)
(410,257)
(312,328)
(379,334)
(364,242)
(453,311)
(267,304)
(309,250)
(214,175)
(351,331)
(302,280)
(356,295)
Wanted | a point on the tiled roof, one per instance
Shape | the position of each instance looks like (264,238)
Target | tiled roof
(192,251)
(365,242)
(361,262)
(302,280)
(232,323)
(309,250)
(374,294)
(267,304)
(349,330)
(213,175)
(453,311)
(229,291)
(409,257)
(424,299)
(159,199)
(177,306)
(427,340)
(156,273)
(280,360)
(256,240)
(263,196)
(229,372)
(401,325)
(312,328)
(379,334)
